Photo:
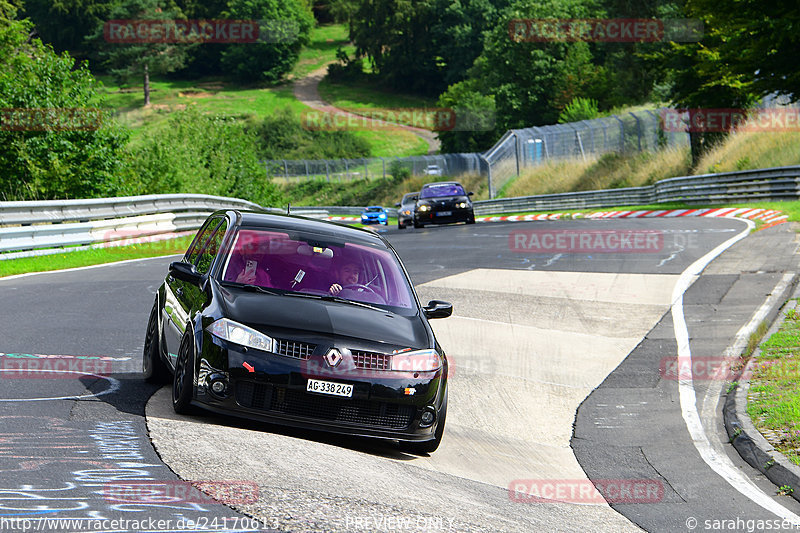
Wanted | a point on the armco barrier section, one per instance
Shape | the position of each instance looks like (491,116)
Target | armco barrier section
(31,226)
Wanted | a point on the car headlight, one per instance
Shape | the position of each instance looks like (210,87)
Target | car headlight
(382,215)
(424,208)
(418,361)
(462,205)
(240,334)
(406,212)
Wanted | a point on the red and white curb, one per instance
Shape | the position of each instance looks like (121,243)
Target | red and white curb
(770,217)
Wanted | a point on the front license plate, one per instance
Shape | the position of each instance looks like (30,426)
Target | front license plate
(329,387)
(444,213)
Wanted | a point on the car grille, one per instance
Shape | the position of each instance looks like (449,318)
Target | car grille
(265,397)
(372,360)
(298,350)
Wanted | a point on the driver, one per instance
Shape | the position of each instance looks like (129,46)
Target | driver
(346,274)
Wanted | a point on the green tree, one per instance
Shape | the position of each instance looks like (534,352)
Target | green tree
(127,60)
(287,25)
(467,99)
(46,151)
(532,81)
(65,24)
(755,40)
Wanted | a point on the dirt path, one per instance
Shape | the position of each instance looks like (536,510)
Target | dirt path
(307,91)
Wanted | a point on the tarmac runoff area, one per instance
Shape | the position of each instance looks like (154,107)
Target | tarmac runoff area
(526,348)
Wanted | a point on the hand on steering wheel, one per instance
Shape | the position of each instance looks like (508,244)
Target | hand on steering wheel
(354,286)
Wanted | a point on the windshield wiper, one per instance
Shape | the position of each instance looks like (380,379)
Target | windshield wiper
(337,299)
(351,302)
(253,288)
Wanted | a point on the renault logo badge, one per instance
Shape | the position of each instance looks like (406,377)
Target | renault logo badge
(333,357)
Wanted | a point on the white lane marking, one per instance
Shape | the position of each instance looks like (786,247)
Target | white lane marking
(113,387)
(718,462)
(709,412)
(16,276)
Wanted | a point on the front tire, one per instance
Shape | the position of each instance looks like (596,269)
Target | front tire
(153,367)
(183,382)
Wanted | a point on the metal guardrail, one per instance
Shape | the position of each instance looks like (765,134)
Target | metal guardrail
(774,184)
(32,226)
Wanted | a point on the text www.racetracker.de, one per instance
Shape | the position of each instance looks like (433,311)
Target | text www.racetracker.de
(202,523)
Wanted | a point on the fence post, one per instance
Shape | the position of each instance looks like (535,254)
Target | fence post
(516,149)
(621,133)
(285,169)
(366,171)
(489,176)
(327,171)
(638,129)
(306,163)
(383,161)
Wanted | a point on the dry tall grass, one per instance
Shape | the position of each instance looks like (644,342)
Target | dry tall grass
(609,171)
(751,150)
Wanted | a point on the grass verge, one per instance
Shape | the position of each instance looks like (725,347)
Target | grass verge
(93,256)
(774,399)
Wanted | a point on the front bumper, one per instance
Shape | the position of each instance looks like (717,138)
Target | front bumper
(435,217)
(275,391)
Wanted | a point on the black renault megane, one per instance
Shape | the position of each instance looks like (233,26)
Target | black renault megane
(300,322)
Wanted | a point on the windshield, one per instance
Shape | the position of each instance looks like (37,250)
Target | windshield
(442,189)
(315,265)
(374,209)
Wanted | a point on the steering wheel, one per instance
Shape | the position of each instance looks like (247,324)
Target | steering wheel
(353,286)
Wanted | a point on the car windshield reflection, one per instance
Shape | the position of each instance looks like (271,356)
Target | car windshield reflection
(444,189)
(309,264)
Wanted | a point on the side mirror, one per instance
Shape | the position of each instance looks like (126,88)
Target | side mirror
(397,204)
(438,309)
(185,272)
(470,193)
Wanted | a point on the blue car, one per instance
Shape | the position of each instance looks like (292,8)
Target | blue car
(374,214)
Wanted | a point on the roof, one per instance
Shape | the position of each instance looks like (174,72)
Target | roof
(256,219)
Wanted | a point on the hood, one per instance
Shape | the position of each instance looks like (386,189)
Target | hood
(289,314)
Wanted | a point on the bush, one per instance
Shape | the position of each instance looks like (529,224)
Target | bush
(201,154)
(282,136)
(579,109)
(399,171)
(52,156)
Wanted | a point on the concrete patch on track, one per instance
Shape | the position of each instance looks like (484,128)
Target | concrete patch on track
(516,384)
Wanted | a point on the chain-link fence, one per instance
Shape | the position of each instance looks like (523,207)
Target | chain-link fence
(515,151)
(518,149)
